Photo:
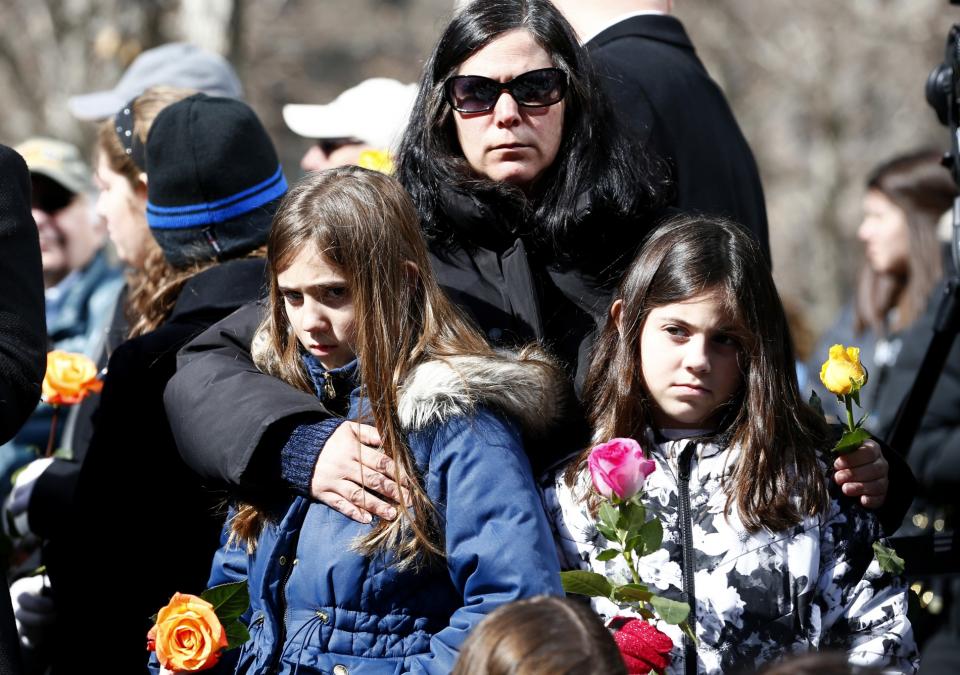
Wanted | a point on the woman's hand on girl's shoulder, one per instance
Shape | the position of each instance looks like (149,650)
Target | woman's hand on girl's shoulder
(864,473)
(352,474)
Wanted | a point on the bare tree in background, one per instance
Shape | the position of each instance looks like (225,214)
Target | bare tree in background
(823,89)
(53,49)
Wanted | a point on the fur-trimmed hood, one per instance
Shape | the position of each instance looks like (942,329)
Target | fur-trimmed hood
(527,386)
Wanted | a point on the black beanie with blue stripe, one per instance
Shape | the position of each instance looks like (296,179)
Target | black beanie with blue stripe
(213,180)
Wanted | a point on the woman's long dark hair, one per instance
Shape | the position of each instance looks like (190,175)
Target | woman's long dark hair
(922,188)
(777,433)
(595,156)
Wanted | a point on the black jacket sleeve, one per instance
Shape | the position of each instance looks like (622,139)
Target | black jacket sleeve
(902,489)
(23,342)
(230,421)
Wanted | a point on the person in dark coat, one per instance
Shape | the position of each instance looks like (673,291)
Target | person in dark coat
(532,200)
(669,104)
(213,183)
(22,337)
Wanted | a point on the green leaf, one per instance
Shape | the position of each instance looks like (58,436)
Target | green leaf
(862,420)
(855,393)
(236,633)
(609,554)
(609,532)
(632,517)
(229,600)
(850,441)
(634,543)
(652,533)
(632,593)
(608,515)
(591,584)
(671,611)
(816,403)
(888,558)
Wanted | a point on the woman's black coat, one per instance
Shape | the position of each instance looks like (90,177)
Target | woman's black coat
(143,525)
(514,287)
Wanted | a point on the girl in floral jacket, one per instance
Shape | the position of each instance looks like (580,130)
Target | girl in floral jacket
(695,362)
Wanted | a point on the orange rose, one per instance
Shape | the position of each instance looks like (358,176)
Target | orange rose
(188,635)
(69,378)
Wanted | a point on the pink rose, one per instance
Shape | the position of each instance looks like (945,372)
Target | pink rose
(618,467)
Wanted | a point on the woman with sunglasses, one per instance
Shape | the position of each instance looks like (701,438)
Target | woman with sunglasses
(533,202)
(531,196)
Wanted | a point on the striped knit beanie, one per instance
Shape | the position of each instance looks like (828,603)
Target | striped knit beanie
(213,180)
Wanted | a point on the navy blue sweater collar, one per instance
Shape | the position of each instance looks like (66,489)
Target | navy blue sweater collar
(335,383)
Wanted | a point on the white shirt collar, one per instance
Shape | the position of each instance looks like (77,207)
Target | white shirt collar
(618,19)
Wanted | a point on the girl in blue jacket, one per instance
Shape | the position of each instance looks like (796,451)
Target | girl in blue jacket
(356,316)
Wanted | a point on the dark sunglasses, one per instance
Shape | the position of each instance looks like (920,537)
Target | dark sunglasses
(533,89)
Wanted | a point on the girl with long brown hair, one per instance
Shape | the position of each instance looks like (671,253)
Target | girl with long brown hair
(356,317)
(695,362)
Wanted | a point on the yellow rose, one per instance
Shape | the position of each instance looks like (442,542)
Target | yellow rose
(376,160)
(842,373)
(188,635)
(69,378)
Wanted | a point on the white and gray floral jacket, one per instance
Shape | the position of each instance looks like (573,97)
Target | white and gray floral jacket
(757,596)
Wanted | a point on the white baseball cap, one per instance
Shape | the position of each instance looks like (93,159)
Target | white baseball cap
(374,112)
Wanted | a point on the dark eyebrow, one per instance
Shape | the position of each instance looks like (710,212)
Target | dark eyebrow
(724,328)
(319,287)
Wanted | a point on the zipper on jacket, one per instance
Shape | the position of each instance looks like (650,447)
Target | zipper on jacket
(282,606)
(686,534)
(328,388)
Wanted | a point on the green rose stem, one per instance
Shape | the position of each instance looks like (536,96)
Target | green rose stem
(628,556)
(848,400)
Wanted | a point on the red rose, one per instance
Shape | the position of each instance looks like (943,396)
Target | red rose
(643,647)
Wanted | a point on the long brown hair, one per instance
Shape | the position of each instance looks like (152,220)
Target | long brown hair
(777,433)
(921,187)
(153,289)
(364,223)
(544,635)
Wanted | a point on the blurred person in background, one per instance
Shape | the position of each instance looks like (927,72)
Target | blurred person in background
(22,336)
(361,126)
(897,293)
(80,283)
(891,319)
(213,182)
(43,493)
(171,72)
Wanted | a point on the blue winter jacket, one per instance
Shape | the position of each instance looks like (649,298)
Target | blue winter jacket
(318,606)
